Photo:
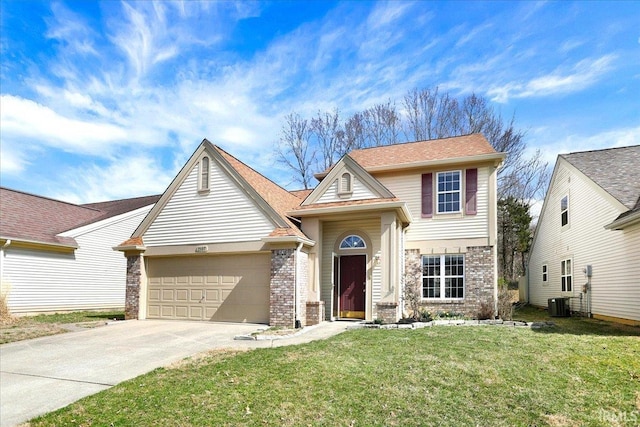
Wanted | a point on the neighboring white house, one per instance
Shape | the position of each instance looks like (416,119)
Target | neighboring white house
(587,243)
(57,256)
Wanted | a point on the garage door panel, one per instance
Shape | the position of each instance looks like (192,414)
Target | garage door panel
(212,295)
(182,312)
(153,310)
(219,288)
(181,294)
(196,295)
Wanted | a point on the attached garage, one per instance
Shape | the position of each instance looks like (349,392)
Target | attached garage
(225,288)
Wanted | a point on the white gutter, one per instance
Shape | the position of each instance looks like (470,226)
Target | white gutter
(6,244)
(621,223)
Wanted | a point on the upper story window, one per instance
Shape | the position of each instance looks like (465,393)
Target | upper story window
(449,191)
(545,273)
(204,175)
(352,242)
(346,183)
(566,273)
(564,210)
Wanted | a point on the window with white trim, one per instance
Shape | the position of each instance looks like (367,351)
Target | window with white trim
(566,274)
(564,210)
(449,191)
(545,273)
(204,175)
(443,276)
(352,242)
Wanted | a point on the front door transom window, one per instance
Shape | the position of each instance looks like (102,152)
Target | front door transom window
(353,242)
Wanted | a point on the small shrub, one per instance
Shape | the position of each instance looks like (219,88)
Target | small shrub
(378,321)
(485,311)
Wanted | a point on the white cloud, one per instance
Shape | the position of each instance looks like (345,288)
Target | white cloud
(138,175)
(551,147)
(582,75)
(23,119)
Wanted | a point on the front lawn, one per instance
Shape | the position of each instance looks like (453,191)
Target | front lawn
(26,327)
(578,373)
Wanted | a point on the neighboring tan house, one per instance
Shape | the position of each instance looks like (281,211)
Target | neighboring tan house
(57,256)
(224,243)
(587,243)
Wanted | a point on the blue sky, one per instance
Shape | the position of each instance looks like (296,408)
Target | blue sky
(105,100)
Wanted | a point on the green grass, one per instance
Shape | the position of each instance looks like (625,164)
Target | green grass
(578,373)
(77,317)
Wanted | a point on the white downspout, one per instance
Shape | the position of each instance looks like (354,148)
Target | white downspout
(6,244)
(296,296)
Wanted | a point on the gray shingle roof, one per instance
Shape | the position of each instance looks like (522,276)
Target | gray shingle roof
(616,170)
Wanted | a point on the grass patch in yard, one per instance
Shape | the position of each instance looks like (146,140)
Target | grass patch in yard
(26,327)
(587,374)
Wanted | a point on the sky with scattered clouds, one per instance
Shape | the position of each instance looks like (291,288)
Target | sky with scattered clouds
(107,100)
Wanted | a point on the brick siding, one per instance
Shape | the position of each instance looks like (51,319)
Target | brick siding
(387,311)
(315,312)
(282,290)
(132,293)
(478,286)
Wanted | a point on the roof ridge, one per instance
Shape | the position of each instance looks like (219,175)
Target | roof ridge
(600,150)
(120,200)
(415,142)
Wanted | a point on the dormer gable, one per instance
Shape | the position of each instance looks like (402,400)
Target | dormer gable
(347,181)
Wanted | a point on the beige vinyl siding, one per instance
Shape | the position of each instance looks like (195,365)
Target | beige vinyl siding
(408,187)
(94,277)
(331,232)
(224,214)
(360,192)
(614,255)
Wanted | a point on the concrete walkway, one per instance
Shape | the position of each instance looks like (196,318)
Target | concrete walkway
(43,374)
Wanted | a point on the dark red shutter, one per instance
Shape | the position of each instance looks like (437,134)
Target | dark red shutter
(471,186)
(427,195)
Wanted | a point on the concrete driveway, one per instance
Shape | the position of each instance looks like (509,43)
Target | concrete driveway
(40,375)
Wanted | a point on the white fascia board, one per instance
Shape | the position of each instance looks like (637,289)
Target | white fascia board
(401,206)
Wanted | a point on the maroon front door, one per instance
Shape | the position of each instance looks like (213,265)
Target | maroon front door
(353,277)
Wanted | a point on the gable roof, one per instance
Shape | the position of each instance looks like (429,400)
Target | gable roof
(347,164)
(36,219)
(420,153)
(615,170)
(273,200)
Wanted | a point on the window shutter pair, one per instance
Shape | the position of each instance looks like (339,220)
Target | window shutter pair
(471,191)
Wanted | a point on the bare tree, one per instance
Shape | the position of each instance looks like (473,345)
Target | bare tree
(431,114)
(381,124)
(354,133)
(294,150)
(330,138)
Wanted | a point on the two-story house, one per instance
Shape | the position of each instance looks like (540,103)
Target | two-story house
(587,243)
(225,243)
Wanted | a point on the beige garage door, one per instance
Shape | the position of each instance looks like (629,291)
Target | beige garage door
(227,288)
